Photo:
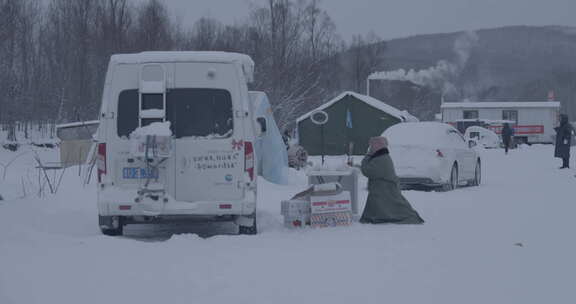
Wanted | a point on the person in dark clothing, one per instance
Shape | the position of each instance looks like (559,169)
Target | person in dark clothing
(563,141)
(385,203)
(507,133)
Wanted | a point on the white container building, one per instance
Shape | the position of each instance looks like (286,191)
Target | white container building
(533,122)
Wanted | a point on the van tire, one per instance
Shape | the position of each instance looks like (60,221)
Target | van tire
(248,230)
(111,226)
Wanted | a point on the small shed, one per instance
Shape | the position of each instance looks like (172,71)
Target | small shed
(353,119)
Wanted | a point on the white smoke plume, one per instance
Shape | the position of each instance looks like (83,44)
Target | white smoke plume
(443,74)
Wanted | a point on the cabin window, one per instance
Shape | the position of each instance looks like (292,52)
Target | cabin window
(127,118)
(510,115)
(200,113)
(470,114)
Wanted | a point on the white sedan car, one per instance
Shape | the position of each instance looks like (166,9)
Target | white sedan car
(433,155)
(485,138)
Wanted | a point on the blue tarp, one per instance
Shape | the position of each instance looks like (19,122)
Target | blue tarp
(270,149)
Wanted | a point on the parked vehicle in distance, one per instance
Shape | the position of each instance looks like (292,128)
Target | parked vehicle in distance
(197,160)
(433,155)
(484,137)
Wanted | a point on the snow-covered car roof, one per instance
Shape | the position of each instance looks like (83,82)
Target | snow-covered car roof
(427,133)
(490,104)
(402,115)
(218,57)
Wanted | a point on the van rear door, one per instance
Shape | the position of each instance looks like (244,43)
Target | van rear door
(208,137)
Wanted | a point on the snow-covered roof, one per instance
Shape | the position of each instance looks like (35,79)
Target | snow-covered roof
(526,104)
(402,115)
(218,57)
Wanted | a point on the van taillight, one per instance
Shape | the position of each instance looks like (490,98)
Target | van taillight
(249,159)
(101,161)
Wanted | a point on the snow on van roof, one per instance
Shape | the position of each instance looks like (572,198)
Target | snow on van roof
(490,104)
(175,56)
(380,105)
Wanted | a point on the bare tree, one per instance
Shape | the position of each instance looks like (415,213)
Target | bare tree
(54,56)
(366,55)
(153,32)
(206,34)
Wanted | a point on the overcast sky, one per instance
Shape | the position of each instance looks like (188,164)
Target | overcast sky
(399,18)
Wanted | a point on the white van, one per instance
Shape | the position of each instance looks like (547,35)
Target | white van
(204,168)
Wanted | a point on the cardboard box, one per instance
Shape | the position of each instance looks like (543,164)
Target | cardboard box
(331,210)
(296,221)
(331,219)
(296,213)
(331,203)
(294,208)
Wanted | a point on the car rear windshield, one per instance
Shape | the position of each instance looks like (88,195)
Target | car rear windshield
(205,113)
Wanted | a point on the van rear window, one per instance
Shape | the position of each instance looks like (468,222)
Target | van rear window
(152,101)
(200,112)
(127,120)
(192,112)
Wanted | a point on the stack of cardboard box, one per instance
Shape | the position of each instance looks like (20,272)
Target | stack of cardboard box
(323,205)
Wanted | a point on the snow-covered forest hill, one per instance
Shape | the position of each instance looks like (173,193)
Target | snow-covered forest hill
(54,53)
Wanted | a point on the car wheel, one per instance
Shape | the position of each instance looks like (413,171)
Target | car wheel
(453,182)
(248,230)
(111,225)
(477,174)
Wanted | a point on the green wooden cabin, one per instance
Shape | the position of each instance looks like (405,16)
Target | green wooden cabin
(353,118)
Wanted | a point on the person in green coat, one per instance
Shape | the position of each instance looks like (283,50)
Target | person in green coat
(385,203)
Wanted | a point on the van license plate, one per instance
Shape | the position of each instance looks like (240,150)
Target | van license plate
(139,173)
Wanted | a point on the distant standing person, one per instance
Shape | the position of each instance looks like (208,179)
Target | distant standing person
(507,133)
(385,203)
(563,140)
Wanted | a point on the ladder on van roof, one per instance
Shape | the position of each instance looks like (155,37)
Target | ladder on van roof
(152,97)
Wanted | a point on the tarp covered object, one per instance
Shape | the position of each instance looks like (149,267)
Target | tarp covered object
(271,152)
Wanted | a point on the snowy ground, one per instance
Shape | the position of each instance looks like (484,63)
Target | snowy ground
(509,241)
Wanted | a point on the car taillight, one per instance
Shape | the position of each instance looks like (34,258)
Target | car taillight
(249,159)
(101,161)
(439,153)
